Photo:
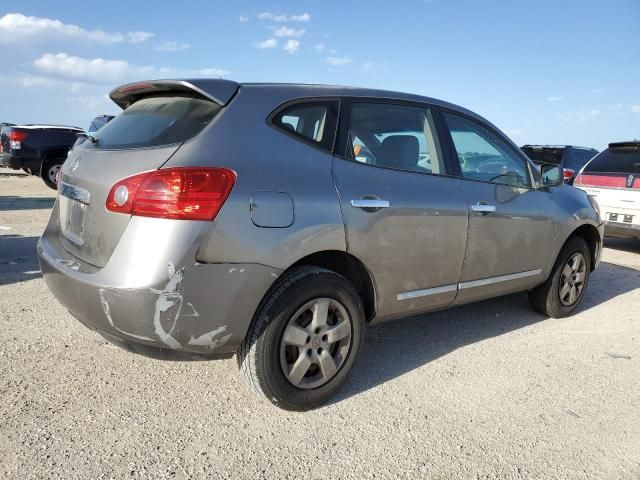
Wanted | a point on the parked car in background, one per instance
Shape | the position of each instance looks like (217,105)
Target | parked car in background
(38,149)
(211,218)
(99,122)
(613,179)
(571,158)
(4,137)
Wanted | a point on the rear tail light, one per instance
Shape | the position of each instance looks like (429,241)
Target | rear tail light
(15,139)
(568,173)
(189,193)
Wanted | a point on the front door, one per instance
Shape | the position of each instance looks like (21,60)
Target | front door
(511,223)
(404,220)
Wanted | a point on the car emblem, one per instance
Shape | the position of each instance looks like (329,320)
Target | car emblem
(630,181)
(75,164)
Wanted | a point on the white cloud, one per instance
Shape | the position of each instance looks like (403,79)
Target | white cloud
(269,43)
(61,66)
(214,72)
(173,47)
(635,108)
(243,19)
(285,31)
(139,37)
(320,47)
(18,28)
(96,70)
(557,98)
(292,46)
(337,61)
(304,17)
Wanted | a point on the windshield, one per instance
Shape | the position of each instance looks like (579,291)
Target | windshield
(544,155)
(97,123)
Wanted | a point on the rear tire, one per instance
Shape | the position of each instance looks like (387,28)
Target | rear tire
(304,339)
(563,291)
(49,170)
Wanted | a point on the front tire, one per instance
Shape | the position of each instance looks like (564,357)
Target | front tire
(49,171)
(304,339)
(563,291)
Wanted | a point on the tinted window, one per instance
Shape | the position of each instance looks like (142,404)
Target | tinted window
(577,157)
(393,136)
(97,123)
(616,160)
(544,154)
(157,121)
(484,156)
(313,121)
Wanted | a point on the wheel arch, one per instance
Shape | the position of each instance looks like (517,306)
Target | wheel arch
(351,268)
(590,235)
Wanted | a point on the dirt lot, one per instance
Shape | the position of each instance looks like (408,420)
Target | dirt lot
(489,390)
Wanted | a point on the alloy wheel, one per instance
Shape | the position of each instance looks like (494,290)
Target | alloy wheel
(572,279)
(315,343)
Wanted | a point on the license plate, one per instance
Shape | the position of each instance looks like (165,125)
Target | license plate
(620,218)
(72,215)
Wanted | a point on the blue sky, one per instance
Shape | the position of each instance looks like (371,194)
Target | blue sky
(563,71)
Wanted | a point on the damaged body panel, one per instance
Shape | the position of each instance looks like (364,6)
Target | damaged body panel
(177,306)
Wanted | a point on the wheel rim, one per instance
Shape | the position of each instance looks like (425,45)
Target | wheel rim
(315,343)
(52,172)
(572,279)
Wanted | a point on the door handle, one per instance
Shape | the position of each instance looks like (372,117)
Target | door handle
(483,208)
(370,203)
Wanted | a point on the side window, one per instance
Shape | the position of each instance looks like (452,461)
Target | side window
(393,136)
(483,156)
(312,121)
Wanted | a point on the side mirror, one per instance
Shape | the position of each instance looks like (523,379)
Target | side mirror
(552,175)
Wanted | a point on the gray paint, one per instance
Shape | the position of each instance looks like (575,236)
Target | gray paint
(193,287)
(271,209)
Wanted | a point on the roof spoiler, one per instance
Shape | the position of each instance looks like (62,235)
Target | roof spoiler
(631,144)
(219,91)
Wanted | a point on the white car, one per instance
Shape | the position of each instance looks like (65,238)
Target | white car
(613,178)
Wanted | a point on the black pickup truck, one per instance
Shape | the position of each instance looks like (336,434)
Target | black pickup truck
(37,149)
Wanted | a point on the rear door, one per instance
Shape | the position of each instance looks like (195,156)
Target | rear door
(140,139)
(613,178)
(404,218)
(511,223)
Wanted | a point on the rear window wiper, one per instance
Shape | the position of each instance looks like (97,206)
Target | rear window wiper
(87,136)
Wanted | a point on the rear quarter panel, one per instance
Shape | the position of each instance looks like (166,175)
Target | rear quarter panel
(265,160)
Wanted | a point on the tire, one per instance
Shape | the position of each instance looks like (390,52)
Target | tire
(49,170)
(552,298)
(267,360)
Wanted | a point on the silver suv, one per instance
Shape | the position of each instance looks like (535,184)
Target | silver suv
(276,222)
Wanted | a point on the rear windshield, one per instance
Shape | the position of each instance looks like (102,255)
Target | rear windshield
(544,155)
(157,121)
(618,160)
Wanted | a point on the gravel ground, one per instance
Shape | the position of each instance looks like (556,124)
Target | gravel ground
(489,390)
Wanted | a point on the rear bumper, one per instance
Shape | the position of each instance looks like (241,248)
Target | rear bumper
(8,160)
(17,162)
(193,311)
(613,229)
